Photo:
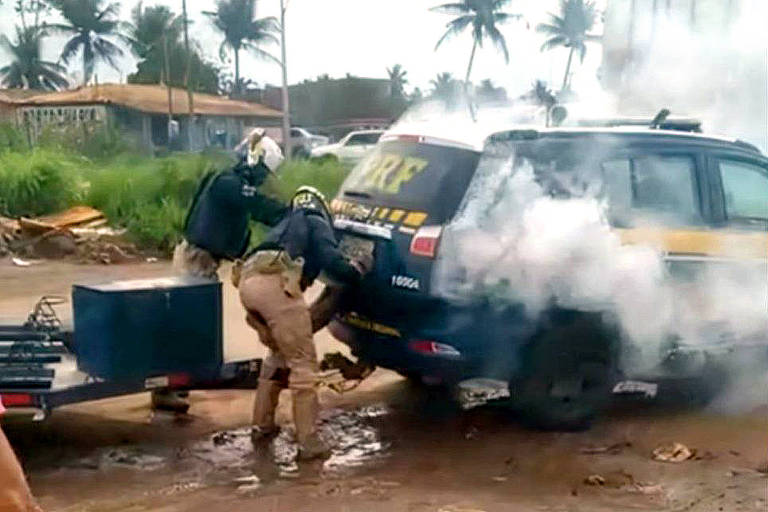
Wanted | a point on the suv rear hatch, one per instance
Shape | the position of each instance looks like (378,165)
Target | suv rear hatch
(399,197)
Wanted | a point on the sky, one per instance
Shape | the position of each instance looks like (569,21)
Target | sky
(364,37)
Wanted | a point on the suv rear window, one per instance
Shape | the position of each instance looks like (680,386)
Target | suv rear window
(639,186)
(414,176)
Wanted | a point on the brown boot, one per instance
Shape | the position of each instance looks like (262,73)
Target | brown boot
(313,448)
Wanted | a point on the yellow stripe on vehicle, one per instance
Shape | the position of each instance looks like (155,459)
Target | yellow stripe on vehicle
(415,219)
(707,243)
(383,213)
(396,215)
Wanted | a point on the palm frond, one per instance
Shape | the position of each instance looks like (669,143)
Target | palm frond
(455,27)
(503,17)
(498,40)
(454,8)
(262,54)
(71,47)
(553,42)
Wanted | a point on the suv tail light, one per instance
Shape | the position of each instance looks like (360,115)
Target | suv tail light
(433,348)
(424,242)
(17,400)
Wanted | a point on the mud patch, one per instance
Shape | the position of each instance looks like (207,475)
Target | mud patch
(230,449)
(352,437)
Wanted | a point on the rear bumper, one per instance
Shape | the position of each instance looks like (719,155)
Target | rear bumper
(395,354)
(470,342)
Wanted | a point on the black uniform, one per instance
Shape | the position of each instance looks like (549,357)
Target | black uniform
(308,234)
(218,220)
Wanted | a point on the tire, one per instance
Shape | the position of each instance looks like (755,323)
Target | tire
(301,153)
(568,375)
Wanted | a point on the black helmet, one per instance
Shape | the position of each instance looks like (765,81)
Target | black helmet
(255,175)
(309,198)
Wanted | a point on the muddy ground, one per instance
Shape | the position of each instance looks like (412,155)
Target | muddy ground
(396,447)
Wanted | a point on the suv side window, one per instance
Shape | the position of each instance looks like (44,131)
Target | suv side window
(745,190)
(652,186)
(295,132)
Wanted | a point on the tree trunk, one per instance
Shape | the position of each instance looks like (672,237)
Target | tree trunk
(236,89)
(471,61)
(187,76)
(568,69)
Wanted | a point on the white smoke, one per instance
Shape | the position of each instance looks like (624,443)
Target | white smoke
(513,242)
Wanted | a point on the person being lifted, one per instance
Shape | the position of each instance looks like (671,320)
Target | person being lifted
(272,281)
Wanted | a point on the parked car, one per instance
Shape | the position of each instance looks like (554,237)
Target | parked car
(303,142)
(400,203)
(352,148)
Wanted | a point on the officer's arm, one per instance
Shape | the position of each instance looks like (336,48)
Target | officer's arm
(267,210)
(331,258)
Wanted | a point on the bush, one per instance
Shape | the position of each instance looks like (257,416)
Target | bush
(39,182)
(149,197)
(326,176)
(12,138)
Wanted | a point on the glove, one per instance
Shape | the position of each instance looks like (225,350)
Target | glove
(363,263)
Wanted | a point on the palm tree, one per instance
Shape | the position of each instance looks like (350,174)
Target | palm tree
(397,81)
(444,86)
(27,70)
(235,19)
(483,16)
(570,29)
(149,26)
(93,26)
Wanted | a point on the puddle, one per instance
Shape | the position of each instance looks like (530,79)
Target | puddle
(230,449)
(134,458)
(353,440)
(351,435)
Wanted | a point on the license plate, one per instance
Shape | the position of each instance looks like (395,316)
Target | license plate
(354,247)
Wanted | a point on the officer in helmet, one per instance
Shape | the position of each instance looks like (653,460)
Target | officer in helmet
(272,281)
(217,224)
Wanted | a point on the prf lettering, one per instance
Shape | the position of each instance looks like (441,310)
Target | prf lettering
(389,172)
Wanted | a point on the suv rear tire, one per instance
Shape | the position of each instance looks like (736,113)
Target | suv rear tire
(568,375)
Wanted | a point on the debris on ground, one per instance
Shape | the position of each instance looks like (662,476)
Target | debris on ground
(618,479)
(594,480)
(762,467)
(247,484)
(474,393)
(674,452)
(612,449)
(80,233)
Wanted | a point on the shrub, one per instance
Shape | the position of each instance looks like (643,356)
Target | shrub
(39,182)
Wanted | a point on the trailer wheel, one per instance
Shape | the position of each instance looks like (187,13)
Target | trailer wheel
(568,377)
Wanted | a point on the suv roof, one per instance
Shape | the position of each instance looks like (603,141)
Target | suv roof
(657,135)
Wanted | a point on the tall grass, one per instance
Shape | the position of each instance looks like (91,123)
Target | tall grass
(39,181)
(148,196)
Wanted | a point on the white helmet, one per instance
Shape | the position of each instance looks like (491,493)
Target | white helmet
(264,149)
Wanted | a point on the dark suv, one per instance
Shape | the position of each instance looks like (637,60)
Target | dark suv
(703,192)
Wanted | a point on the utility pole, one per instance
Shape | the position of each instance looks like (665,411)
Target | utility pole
(187,78)
(167,69)
(286,101)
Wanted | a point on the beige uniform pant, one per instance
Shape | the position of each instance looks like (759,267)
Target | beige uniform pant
(284,326)
(190,260)
(14,492)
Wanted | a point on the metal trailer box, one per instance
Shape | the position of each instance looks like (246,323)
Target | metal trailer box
(148,327)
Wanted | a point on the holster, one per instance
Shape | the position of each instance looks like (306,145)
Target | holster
(276,262)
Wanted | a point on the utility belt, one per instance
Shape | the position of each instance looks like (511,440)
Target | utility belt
(269,262)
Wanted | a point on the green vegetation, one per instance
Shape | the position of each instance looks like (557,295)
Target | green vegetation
(147,196)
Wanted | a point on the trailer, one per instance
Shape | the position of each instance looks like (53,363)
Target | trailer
(127,337)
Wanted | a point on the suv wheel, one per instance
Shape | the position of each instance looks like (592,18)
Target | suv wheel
(568,377)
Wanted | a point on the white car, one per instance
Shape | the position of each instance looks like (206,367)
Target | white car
(352,148)
(303,142)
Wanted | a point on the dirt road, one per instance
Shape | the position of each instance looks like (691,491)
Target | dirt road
(397,447)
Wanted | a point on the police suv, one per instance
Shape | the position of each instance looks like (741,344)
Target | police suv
(708,197)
